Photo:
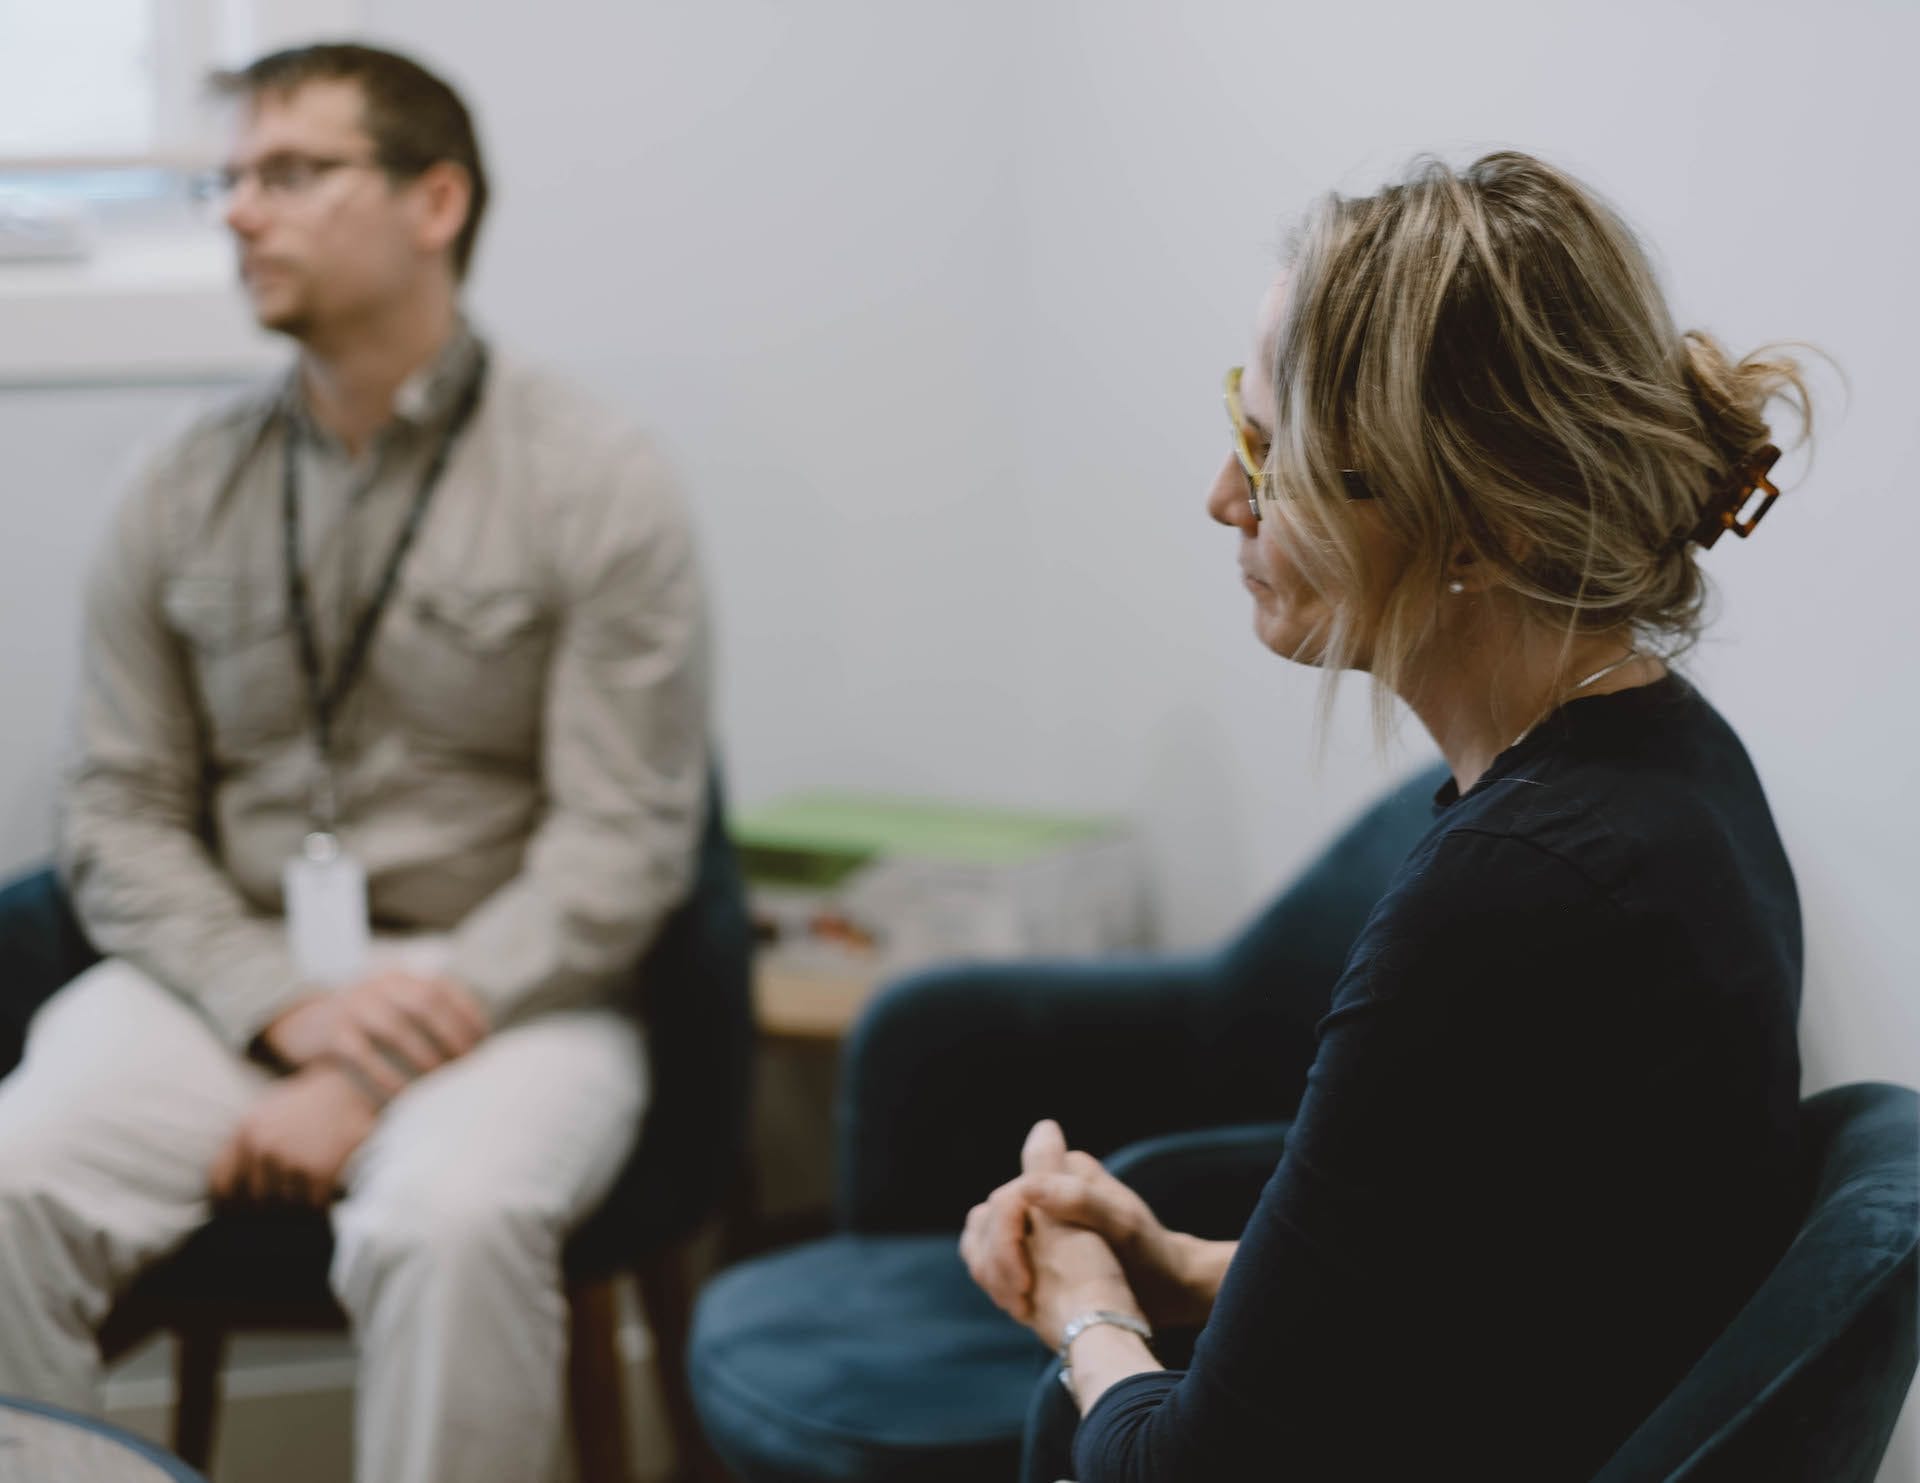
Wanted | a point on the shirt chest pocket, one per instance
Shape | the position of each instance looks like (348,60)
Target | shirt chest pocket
(466,668)
(239,645)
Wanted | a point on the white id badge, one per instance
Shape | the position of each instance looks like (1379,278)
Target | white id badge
(326,893)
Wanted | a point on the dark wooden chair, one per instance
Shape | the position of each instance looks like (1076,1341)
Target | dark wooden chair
(268,1269)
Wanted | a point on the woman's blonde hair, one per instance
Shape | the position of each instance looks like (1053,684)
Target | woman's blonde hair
(1490,349)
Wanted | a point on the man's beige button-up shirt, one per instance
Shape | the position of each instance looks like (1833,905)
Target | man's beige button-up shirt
(522,764)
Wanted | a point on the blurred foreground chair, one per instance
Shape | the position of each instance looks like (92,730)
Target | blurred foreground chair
(42,1441)
(268,1270)
(870,1355)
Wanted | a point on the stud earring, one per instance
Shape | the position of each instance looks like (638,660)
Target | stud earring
(1456,587)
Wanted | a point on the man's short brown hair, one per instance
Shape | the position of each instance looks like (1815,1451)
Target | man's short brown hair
(414,118)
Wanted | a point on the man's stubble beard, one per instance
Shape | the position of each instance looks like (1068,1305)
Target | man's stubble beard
(294,319)
(295,323)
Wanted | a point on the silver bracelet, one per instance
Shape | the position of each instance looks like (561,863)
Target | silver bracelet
(1081,1322)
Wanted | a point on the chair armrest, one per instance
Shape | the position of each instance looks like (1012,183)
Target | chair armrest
(42,949)
(1204,1183)
(949,1068)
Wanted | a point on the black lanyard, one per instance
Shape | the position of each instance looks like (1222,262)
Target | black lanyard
(324,701)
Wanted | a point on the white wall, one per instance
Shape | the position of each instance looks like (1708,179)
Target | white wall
(62,453)
(930,303)
(789,253)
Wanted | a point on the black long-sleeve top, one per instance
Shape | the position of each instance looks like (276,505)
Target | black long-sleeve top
(1548,1142)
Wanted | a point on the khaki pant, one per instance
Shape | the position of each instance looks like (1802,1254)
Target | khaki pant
(447,1249)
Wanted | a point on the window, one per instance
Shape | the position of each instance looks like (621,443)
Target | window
(91,83)
(77,79)
(106,269)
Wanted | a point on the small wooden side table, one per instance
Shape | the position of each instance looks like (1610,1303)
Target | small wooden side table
(789,1004)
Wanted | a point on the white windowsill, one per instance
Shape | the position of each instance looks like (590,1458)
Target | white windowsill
(146,307)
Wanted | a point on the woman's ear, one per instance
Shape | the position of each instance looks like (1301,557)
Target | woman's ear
(1467,574)
(1470,573)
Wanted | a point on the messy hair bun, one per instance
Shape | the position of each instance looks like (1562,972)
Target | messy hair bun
(1490,348)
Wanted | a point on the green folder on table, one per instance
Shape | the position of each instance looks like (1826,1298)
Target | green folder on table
(818,839)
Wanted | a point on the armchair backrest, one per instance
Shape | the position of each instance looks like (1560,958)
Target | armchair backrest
(1310,927)
(1270,986)
(696,995)
(1807,1382)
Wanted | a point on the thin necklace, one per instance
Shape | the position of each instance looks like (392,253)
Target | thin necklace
(1598,675)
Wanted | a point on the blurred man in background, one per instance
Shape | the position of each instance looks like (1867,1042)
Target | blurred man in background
(392,759)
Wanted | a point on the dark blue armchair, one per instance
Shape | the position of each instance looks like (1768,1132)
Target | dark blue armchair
(1806,1383)
(869,1356)
(269,1269)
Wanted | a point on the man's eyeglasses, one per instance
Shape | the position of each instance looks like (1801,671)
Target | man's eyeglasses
(281,177)
(1251,449)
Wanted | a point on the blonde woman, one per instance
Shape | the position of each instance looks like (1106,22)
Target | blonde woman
(1547,1144)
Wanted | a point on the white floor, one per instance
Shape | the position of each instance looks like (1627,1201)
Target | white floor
(287,1407)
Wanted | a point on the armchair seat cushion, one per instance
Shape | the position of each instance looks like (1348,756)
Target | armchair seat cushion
(862,1358)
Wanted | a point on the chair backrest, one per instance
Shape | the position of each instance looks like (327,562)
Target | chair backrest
(696,991)
(1807,1382)
(41,948)
(1307,932)
(1270,986)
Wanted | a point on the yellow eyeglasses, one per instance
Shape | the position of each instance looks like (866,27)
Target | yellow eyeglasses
(1252,453)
